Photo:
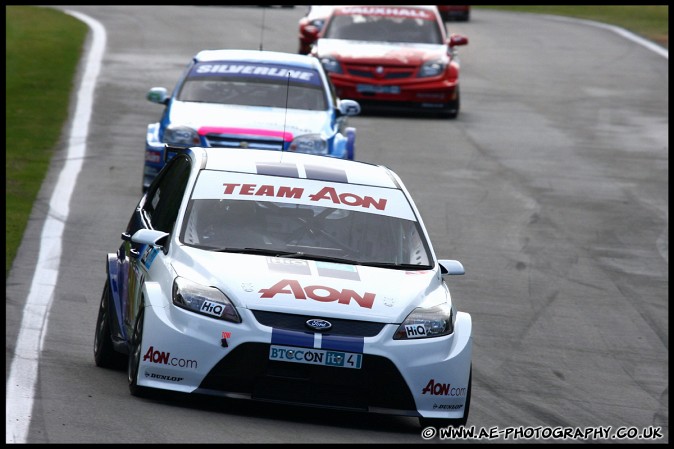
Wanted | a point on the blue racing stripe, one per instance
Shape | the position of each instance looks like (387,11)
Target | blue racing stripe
(342,343)
(292,338)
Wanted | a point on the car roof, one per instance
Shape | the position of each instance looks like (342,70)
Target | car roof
(320,11)
(426,7)
(297,165)
(257,56)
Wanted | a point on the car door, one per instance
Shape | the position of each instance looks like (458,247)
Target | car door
(157,210)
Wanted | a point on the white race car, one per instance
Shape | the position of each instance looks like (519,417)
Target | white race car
(286,277)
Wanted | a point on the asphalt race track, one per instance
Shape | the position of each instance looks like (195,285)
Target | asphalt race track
(551,187)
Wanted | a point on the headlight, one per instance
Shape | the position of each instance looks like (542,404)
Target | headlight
(309,143)
(426,323)
(331,65)
(205,300)
(181,136)
(432,68)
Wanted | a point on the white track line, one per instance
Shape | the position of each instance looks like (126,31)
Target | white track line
(620,31)
(24,369)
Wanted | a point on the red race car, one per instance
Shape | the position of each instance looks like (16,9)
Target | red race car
(398,57)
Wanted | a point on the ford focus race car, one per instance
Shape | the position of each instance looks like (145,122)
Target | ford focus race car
(250,99)
(285,277)
(392,57)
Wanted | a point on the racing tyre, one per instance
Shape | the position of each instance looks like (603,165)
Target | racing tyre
(439,422)
(452,110)
(135,355)
(105,355)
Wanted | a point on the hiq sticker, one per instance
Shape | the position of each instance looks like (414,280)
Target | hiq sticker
(415,330)
(212,308)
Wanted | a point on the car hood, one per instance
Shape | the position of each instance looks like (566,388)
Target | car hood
(307,287)
(380,52)
(294,121)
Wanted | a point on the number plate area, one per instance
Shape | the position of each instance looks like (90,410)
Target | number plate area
(311,356)
(375,89)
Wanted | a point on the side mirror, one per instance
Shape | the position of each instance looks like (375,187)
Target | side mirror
(349,107)
(158,95)
(456,40)
(451,267)
(310,32)
(150,237)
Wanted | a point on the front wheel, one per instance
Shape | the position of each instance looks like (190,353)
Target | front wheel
(105,355)
(135,355)
(452,109)
(458,422)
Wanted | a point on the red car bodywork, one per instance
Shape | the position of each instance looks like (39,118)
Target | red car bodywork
(394,74)
(310,25)
(454,12)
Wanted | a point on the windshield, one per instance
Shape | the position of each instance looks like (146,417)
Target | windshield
(248,84)
(306,221)
(253,93)
(325,232)
(384,24)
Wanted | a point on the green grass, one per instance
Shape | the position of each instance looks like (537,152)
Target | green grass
(43,47)
(649,21)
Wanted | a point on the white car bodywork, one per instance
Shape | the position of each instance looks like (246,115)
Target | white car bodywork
(397,368)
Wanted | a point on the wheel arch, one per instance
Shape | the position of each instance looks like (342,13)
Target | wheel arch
(350,142)
(114,284)
(152,295)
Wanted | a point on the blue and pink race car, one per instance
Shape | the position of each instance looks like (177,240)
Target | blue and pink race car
(250,99)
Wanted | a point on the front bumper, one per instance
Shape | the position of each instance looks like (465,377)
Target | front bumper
(417,94)
(339,146)
(186,352)
(154,155)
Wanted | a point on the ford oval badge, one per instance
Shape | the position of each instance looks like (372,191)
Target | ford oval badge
(318,325)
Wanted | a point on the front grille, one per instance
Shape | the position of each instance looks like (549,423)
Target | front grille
(389,73)
(388,106)
(239,141)
(247,370)
(361,73)
(287,321)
